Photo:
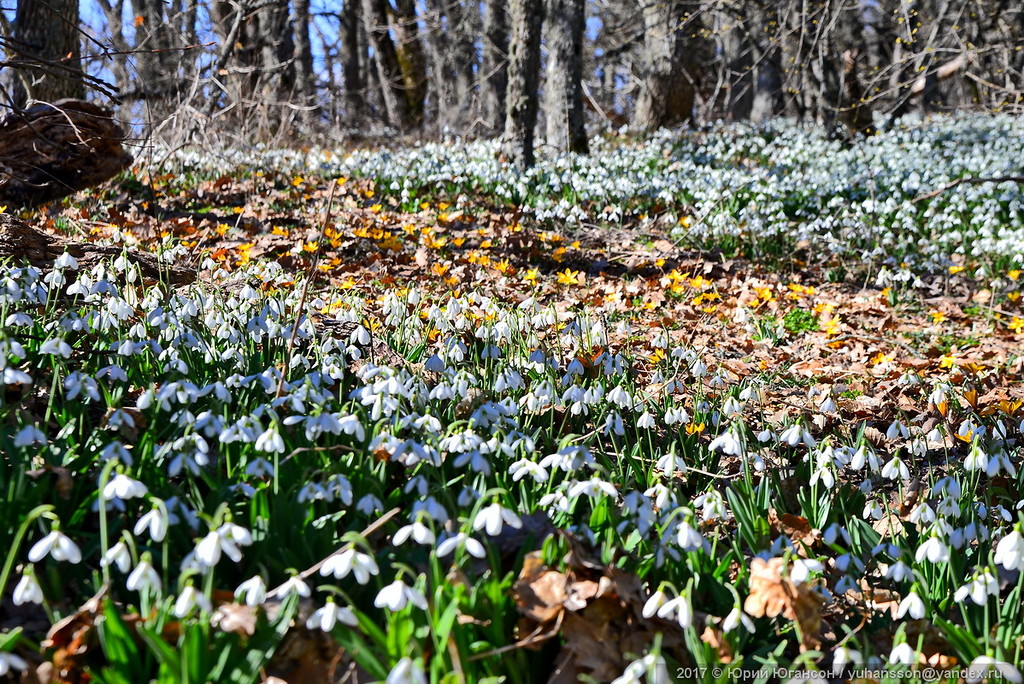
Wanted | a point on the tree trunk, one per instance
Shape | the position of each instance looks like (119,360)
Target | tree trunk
(389,72)
(523,75)
(494,78)
(21,242)
(155,75)
(563,88)
(277,65)
(51,150)
(667,91)
(353,52)
(411,59)
(305,78)
(44,52)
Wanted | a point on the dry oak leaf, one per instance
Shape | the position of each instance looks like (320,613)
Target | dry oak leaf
(540,593)
(772,594)
(796,528)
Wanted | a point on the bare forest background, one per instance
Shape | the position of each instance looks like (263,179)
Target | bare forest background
(539,74)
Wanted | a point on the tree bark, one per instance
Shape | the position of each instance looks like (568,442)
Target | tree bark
(45,52)
(305,78)
(668,91)
(523,75)
(353,50)
(389,72)
(52,150)
(563,88)
(411,59)
(494,79)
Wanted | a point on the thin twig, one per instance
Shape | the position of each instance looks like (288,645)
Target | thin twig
(968,179)
(370,529)
(310,276)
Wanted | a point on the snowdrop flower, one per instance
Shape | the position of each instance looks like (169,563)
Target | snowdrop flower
(27,590)
(260,468)
(899,571)
(654,668)
(1010,551)
(350,561)
(226,538)
(294,585)
(270,441)
(844,656)
(593,488)
(680,608)
(983,585)
(492,518)
(646,421)
(654,603)
(11,661)
(56,347)
(473,547)
(873,510)
(65,260)
(397,595)
(143,577)
(976,458)
(188,600)
(802,569)
(795,434)
(833,532)
(934,550)
(57,545)
(406,671)
(155,522)
(419,532)
(123,487)
(983,667)
(119,556)
(902,653)
(329,615)
(524,467)
(253,591)
(369,504)
(208,551)
(688,538)
(895,469)
(29,435)
(912,605)
(729,442)
(735,618)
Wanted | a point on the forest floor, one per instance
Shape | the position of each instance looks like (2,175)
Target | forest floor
(463,430)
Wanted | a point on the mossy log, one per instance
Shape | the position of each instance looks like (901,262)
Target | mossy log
(49,151)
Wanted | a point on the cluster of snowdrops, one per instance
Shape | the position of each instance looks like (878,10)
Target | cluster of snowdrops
(215,440)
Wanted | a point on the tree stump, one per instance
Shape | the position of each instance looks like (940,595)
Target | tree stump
(49,151)
(21,242)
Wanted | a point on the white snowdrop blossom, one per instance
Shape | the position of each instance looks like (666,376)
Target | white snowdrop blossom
(911,605)
(190,599)
(351,561)
(329,615)
(58,546)
(144,577)
(1010,551)
(406,671)
(494,517)
(252,591)
(27,590)
(397,595)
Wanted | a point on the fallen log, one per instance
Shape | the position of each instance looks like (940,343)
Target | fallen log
(23,243)
(49,151)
